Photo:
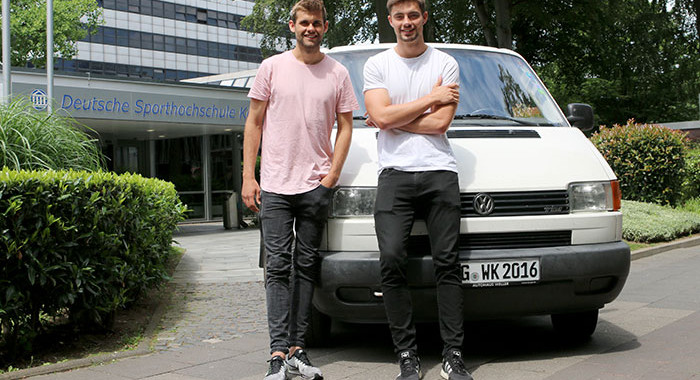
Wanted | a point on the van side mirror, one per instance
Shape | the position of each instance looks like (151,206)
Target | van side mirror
(580,115)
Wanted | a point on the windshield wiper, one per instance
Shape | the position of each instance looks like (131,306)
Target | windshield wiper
(499,117)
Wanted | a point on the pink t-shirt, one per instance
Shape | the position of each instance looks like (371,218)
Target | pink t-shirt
(302,103)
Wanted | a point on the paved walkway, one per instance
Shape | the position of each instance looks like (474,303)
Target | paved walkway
(215,328)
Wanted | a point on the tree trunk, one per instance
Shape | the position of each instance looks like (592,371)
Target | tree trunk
(386,33)
(485,20)
(503,23)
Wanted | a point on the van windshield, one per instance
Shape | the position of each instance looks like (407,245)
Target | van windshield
(495,88)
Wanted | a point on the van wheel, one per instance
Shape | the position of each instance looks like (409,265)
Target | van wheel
(576,326)
(318,334)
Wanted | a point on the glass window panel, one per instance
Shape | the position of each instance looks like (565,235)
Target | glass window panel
(202,48)
(158,74)
(170,44)
(169,10)
(134,6)
(146,7)
(192,46)
(109,36)
(147,72)
(146,41)
(122,37)
(110,68)
(195,203)
(181,45)
(158,8)
(180,162)
(158,42)
(202,16)
(134,39)
(122,5)
(122,70)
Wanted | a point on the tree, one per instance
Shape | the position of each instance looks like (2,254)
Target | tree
(73,19)
(349,21)
(628,58)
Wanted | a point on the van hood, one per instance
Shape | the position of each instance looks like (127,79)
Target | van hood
(498,158)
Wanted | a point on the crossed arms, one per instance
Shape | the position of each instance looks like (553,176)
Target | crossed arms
(411,117)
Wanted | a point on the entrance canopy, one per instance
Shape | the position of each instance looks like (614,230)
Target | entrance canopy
(142,110)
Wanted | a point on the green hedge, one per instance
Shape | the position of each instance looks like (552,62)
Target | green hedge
(691,179)
(648,159)
(81,244)
(650,223)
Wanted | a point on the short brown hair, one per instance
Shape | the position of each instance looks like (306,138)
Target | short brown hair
(391,3)
(309,6)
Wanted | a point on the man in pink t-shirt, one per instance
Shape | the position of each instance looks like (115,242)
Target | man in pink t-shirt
(295,100)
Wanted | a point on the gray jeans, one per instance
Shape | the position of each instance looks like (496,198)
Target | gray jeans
(292,227)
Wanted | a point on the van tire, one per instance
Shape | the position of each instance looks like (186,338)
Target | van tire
(318,333)
(575,326)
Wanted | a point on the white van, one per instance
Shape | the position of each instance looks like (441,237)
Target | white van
(541,226)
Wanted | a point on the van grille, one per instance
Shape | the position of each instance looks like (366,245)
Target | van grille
(420,244)
(520,203)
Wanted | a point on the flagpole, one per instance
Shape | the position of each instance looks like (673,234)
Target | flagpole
(6,63)
(49,54)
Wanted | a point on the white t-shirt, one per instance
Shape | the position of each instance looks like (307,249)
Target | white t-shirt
(408,79)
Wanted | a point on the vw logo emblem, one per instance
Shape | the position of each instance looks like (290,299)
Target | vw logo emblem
(483,204)
(39,99)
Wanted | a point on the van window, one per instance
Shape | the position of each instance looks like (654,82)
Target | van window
(496,88)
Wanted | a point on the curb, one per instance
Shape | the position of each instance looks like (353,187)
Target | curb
(144,348)
(682,243)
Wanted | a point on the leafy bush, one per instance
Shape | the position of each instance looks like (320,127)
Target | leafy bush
(648,160)
(79,243)
(692,205)
(650,223)
(32,140)
(691,179)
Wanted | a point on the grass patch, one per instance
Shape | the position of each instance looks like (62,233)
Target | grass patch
(651,223)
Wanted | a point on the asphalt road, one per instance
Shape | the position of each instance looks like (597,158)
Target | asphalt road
(652,331)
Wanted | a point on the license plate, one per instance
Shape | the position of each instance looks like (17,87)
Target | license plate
(500,272)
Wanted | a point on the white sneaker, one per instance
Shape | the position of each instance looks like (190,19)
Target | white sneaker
(277,370)
(299,364)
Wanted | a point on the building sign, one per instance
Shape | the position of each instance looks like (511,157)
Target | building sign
(139,106)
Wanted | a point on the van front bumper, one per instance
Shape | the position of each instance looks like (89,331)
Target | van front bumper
(572,278)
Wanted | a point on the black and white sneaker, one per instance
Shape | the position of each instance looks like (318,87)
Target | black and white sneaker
(453,367)
(277,370)
(410,366)
(299,364)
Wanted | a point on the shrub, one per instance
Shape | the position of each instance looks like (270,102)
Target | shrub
(650,223)
(79,243)
(32,140)
(648,160)
(691,179)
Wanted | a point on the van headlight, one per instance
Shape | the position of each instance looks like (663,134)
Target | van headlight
(595,196)
(353,201)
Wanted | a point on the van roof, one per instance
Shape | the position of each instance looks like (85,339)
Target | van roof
(384,46)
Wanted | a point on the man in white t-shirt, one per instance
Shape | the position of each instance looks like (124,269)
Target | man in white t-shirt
(295,99)
(411,94)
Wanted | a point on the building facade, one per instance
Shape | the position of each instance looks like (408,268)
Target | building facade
(168,40)
(125,85)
